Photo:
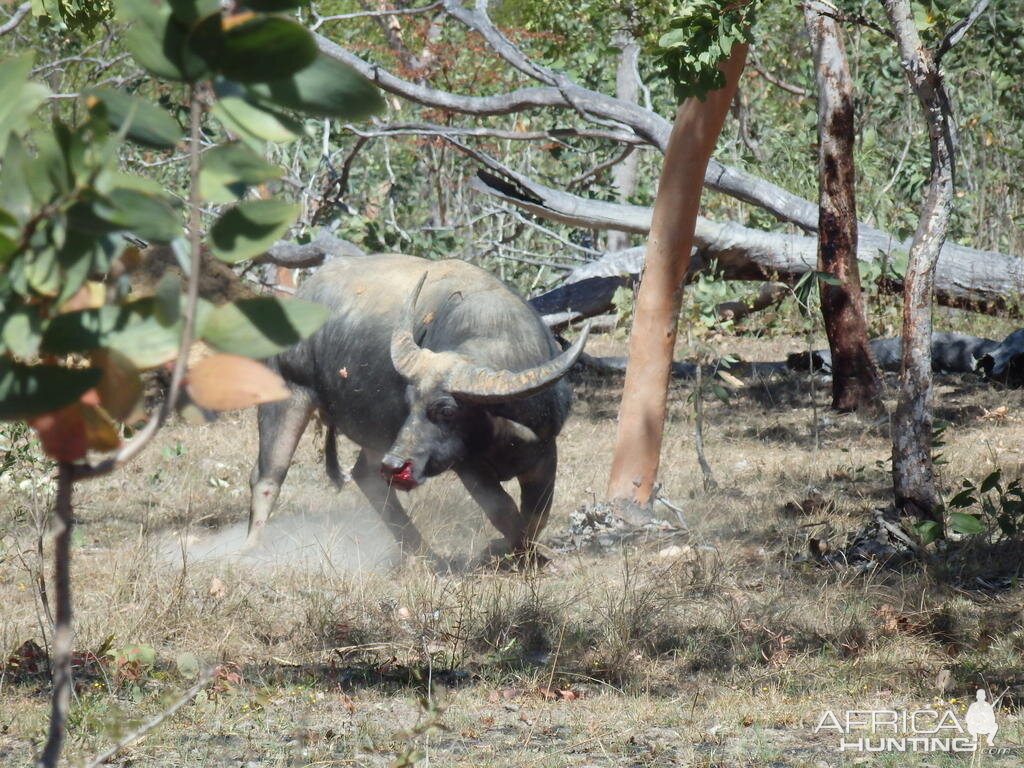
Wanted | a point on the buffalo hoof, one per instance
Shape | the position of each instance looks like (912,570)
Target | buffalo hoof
(498,555)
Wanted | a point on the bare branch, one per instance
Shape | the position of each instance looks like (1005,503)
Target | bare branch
(16,18)
(320,20)
(434,129)
(312,254)
(957,31)
(648,126)
(796,90)
(600,167)
(153,722)
(854,18)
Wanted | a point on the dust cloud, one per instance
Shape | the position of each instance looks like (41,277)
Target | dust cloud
(345,540)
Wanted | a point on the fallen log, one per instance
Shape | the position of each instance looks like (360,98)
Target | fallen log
(966,278)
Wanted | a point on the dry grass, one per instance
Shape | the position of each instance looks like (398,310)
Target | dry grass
(722,654)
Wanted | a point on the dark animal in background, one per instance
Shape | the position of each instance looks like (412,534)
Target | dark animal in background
(427,366)
(1005,362)
(951,353)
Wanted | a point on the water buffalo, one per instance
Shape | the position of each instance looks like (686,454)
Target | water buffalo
(1005,361)
(951,353)
(427,366)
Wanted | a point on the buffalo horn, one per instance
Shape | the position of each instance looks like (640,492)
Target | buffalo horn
(481,384)
(405,352)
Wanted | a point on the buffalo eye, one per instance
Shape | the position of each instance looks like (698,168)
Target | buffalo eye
(442,411)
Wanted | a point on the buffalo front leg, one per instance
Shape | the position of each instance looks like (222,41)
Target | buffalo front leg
(537,491)
(281,424)
(381,495)
(485,488)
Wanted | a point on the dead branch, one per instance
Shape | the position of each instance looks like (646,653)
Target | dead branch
(551,134)
(16,18)
(312,254)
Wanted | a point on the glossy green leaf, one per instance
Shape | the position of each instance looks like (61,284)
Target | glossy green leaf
(967,524)
(146,124)
(250,228)
(253,123)
(326,88)
(226,171)
(262,327)
(31,390)
(266,48)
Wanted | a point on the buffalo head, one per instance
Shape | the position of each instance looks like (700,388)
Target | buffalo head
(446,393)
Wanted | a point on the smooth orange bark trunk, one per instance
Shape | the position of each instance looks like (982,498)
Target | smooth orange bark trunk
(656,314)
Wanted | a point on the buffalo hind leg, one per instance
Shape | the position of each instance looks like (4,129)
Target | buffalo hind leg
(281,424)
(381,495)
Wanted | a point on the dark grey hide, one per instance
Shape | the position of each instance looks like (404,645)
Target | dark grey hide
(480,390)
(1005,362)
(951,353)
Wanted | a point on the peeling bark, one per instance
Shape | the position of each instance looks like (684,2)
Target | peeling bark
(855,379)
(913,481)
(656,315)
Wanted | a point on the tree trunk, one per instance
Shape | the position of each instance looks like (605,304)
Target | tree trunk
(627,88)
(656,315)
(913,483)
(855,379)
(63,633)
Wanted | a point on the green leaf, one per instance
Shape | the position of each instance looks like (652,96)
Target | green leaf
(262,327)
(147,124)
(19,97)
(188,664)
(31,390)
(150,217)
(131,329)
(991,481)
(961,522)
(266,48)
(253,123)
(157,40)
(188,12)
(275,6)
(927,531)
(23,331)
(963,499)
(828,278)
(250,228)
(167,300)
(226,171)
(326,88)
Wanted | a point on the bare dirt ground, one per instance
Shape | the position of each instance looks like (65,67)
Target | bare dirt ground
(721,648)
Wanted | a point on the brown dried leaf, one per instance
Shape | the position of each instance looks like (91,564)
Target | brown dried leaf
(120,387)
(230,382)
(62,433)
(90,296)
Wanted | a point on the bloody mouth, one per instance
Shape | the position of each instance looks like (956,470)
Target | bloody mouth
(403,479)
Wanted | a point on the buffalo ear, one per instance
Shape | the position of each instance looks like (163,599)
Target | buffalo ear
(506,430)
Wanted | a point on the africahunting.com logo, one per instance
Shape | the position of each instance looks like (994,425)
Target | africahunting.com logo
(913,730)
